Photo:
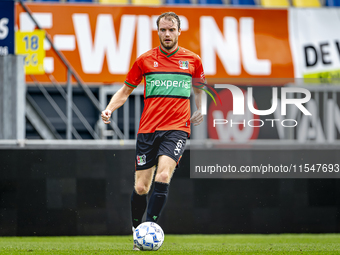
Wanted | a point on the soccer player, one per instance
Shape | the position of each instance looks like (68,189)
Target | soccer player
(169,73)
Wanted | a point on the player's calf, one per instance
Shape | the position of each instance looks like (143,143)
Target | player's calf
(157,201)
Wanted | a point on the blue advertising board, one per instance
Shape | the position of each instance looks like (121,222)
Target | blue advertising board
(6,27)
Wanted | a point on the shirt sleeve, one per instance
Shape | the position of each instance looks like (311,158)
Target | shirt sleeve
(199,77)
(134,76)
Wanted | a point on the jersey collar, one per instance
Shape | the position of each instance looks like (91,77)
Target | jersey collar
(168,55)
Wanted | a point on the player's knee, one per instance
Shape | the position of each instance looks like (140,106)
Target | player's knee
(163,177)
(141,189)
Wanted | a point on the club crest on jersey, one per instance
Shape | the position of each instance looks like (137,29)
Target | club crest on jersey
(141,160)
(183,64)
(155,64)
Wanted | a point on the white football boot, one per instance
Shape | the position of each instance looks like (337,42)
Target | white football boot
(135,248)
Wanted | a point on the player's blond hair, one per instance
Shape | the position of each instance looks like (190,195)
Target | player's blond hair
(169,16)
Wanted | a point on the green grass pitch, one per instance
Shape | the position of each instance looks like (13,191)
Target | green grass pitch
(177,244)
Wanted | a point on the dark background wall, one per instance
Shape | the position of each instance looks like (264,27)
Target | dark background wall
(87,192)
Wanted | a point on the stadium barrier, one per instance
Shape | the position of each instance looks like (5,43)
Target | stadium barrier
(84,188)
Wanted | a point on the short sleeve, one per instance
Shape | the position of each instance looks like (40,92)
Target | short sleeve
(199,77)
(134,76)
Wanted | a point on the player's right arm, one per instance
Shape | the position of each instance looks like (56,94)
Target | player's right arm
(117,100)
(133,78)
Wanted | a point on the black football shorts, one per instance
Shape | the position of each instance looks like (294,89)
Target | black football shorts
(151,145)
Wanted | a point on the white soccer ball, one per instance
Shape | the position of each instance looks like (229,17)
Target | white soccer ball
(148,236)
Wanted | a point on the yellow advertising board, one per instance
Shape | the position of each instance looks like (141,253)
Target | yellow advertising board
(31,45)
(332,76)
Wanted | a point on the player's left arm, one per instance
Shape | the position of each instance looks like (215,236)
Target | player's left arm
(197,117)
(198,84)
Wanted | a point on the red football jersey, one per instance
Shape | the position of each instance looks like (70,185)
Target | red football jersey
(168,78)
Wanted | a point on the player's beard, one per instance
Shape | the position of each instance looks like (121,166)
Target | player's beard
(169,46)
